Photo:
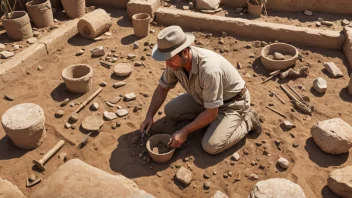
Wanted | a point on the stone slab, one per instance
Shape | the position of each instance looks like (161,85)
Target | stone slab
(252,29)
(142,6)
(76,179)
(7,190)
(348,45)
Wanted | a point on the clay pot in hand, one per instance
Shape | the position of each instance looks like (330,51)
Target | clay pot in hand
(156,140)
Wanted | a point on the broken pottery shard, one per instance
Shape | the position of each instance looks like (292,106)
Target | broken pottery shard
(278,56)
(93,122)
(138,63)
(333,136)
(115,100)
(333,69)
(98,51)
(340,181)
(277,187)
(219,194)
(320,85)
(283,162)
(235,156)
(6,54)
(123,69)
(67,125)
(118,84)
(131,56)
(308,12)
(109,115)
(32,40)
(107,33)
(122,112)
(288,125)
(109,104)
(129,97)
(184,176)
(9,97)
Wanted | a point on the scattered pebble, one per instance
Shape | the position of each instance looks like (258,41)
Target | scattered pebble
(253,177)
(235,156)
(278,56)
(215,172)
(295,145)
(6,54)
(109,104)
(73,126)
(109,115)
(345,22)
(158,174)
(80,52)
(283,162)
(129,97)
(122,112)
(253,163)
(138,63)
(63,156)
(72,104)
(32,177)
(40,68)
(206,175)
(308,12)
(207,184)
(245,151)
(229,173)
(115,100)
(67,125)
(288,125)
(107,33)
(118,84)
(221,41)
(74,117)
(225,175)
(9,97)
(98,51)
(32,40)
(59,113)
(131,56)
(320,85)
(135,45)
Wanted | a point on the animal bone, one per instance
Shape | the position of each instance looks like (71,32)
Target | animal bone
(303,72)
(303,106)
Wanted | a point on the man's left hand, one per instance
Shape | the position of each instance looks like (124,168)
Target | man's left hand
(178,138)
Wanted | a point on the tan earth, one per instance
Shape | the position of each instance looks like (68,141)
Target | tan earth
(116,151)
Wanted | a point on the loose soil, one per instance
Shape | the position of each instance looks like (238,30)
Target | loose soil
(161,148)
(112,150)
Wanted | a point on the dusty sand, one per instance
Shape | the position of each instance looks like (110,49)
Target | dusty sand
(112,150)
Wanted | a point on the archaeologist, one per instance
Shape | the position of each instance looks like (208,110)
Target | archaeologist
(216,93)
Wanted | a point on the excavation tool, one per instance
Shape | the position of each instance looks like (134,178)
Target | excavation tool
(144,132)
(300,104)
(277,96)
(276,111)
(40,163)
(84,141)
(33,180)
(86,102)
(272,75)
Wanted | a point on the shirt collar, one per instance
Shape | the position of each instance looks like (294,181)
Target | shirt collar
(195,61)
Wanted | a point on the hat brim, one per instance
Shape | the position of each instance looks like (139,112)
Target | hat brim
(163,56)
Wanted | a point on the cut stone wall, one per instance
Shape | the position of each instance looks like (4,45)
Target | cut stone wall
(115,3)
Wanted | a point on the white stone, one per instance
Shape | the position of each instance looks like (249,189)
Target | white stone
(32,40)
(6,54)
(333,136)
(95,106)
(123,69)
(184,175)
(283,162)
(2,46)
(119,84)
(253,177)
(80,52)
(121,112)
(333,69)
(107,34)
(277,187)
(308,12)
(98,51)
(115,100)
(83,180)
(67,125)
(219,194)
(135,45)
(278,56)
(109,115)
(59,113)
(130,96)
(131,56)
(138,63)
(340,181)
(235,156)
(345,22)
(93,122)
(320,85)
(17,47)
(288,125)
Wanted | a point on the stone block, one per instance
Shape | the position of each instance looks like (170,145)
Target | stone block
(340,181)
(348,45)
(142,6)
(7,189)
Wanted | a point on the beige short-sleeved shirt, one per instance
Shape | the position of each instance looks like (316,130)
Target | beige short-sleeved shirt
(212,80)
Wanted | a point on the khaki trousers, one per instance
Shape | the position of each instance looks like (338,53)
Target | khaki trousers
(226,130)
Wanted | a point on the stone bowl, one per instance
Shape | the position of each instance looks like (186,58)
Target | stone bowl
(78,78)
(283,48)
(156,139)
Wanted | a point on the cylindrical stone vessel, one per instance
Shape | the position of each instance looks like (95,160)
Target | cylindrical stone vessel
(94,24)
(40,13)
(25,125)
(141,24)
(18,26)
(78,78)
(74,8)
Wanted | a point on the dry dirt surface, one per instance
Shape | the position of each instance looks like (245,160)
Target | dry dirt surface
(117,151)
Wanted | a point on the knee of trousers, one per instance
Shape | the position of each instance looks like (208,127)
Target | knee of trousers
(171,111)
(211,147)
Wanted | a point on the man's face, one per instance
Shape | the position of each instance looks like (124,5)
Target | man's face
(176,62)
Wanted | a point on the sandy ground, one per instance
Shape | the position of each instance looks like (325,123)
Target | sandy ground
(112,150)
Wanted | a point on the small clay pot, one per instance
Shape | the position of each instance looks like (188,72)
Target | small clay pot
(74,8)
(40,12)
(156,139)
(255,10)
(141,24)
(18,26)
(283,48)
(78,78)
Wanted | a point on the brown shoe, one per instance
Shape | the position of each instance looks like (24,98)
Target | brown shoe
(252,121)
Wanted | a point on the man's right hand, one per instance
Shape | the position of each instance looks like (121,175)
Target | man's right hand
(146,124)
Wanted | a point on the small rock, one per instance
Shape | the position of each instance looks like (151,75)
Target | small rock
(235,156)
(9,97)
(239,65)
(283,162)
(327,23)
(278,56)
(109,104)
(95,106)
(215,172)
(261,119)
(131,56)
(207,185)
(320,19)
(36,33)
(251,56)
(152,31)
(184,175)
(103,84)
(308,12)
(135,109)
(80,52)
(245,151)
(122,112)
(224,34)
(345,22)
(115,100)
(67,125)
(118,84)
(118,107)
(138,63)
(73,126)
(118,124)
(295,145)
(219,194)
(185,7)
(109,115)
(59,113)
(135,45)
(98,51)
(318,24)
(32,40)
(253,163)
(100,38)
(74,117)
(142,58)
(107,33)
(288,125)
(129,97)
(340,182)
(253,177)
(63,156)
(32,177)
(229,173)
(17,47)
(225,175)
(221,41)
(320,85)
(262,167)
(333,69)
(206,175)
(258,143)
(6,54)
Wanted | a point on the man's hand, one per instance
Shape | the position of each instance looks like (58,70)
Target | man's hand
(178,138)
(146,124)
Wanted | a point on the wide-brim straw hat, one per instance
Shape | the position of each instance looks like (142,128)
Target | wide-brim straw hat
(171,41)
